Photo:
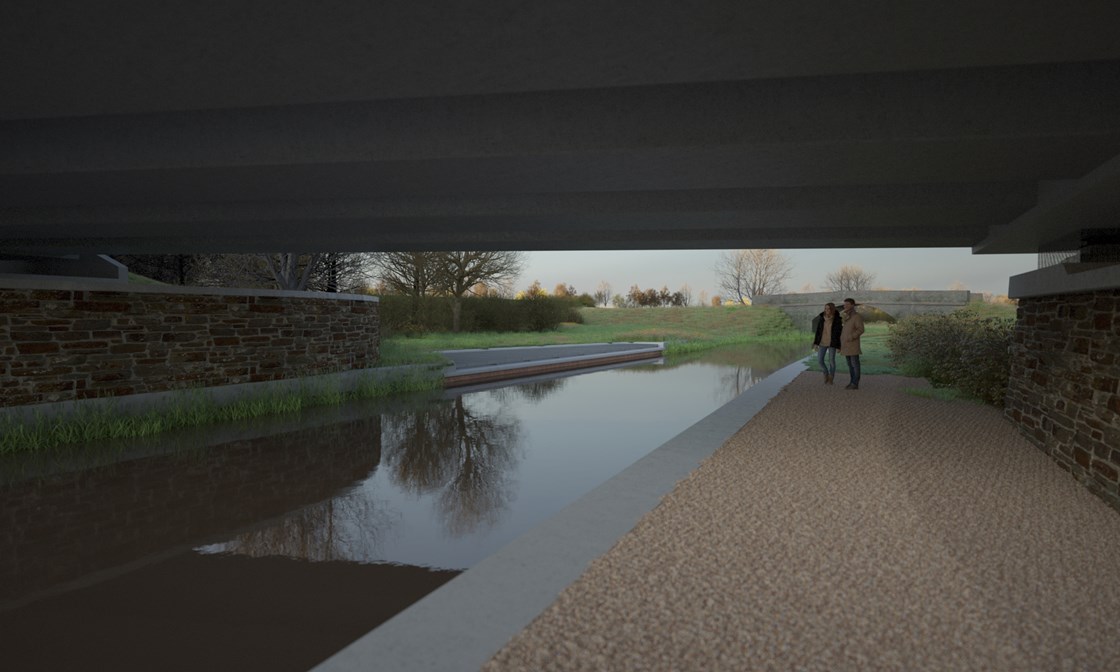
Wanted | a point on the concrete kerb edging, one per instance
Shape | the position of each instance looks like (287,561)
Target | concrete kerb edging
(454,376)
(466,621)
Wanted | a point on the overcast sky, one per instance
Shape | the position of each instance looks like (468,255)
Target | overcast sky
(926,268)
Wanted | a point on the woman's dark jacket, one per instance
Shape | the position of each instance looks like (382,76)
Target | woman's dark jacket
(837,326)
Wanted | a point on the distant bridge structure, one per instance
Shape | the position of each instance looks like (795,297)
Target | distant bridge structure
(802,308)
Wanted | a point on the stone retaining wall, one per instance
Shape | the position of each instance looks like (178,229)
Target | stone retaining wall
(61,343)
(1064,391)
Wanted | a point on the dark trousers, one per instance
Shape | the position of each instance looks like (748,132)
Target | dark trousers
(853,368)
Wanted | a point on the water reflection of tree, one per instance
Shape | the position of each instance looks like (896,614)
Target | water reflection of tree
(462,453)
(349,527)
(534,392)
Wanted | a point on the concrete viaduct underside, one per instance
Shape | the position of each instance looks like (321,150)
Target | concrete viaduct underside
(245,126)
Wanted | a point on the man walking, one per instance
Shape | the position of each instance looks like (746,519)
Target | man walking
(849,341)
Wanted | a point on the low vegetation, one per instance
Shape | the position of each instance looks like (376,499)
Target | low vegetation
(964,355)
(414,316)
(967,351)
(192,409)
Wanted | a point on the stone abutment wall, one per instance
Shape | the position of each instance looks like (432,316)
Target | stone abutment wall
(60,343)
(1064,391)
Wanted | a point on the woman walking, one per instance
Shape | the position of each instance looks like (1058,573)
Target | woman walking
(827,326)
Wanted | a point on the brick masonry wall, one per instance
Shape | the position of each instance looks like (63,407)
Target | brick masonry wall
(63,344)
(1064,391)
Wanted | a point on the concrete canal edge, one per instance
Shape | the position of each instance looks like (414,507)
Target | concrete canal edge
(472,367)
(465,622)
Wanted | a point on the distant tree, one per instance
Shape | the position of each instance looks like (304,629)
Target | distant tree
(341,272)
(686,295)
(457,272)
(173,269)
(411,274)
(636,297)
(745,274)
(716,301)
(665,297)
(562,290)
(602,293)
(957,285)
(807,288)
(534,291)
(406,273)
(619,301)
(291,270)
(703,298)
(849,279)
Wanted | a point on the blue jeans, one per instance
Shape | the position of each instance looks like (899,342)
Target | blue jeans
(828,367)
(853,368)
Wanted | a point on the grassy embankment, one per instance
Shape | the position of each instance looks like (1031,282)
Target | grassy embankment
(682,329)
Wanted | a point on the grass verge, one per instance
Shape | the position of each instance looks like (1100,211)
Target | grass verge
(876,357)
(682,330)
(193,408)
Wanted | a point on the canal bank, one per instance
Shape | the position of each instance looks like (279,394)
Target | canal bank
(461,625)
(898,532)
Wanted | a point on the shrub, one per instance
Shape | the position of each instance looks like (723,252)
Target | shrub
(960,350)
(405,315)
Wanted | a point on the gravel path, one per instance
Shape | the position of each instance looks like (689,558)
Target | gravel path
(851,530)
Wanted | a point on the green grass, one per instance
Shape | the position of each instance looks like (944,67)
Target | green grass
(681,329)
(191,409)
(138,279)
(876,357)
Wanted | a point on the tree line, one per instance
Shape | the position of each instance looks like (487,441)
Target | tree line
(745,274)
(451,274)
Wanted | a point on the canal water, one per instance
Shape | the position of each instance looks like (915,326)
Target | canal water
(270,545)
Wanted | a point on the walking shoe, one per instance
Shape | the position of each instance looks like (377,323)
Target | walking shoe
(828,380)
(851,387)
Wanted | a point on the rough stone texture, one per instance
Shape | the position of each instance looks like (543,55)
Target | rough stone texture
(62,345)
(839,530)
(1064,392)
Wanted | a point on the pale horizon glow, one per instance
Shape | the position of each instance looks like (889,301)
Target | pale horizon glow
(911,268)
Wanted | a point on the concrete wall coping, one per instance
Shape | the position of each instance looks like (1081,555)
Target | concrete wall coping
(1058,279)
(94,285)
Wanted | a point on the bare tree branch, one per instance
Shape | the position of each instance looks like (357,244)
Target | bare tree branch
(849,279)
(746,274)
